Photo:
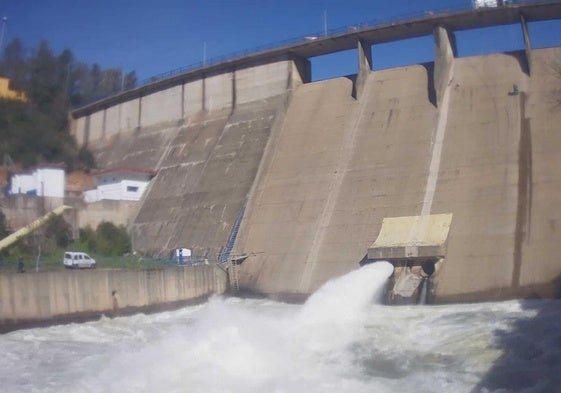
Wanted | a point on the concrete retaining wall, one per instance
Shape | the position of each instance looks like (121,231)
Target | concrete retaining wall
(51,297)
(21,210)
(117,212)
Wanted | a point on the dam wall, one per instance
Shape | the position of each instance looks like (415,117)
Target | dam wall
(62,296)
(172,104)
(203,181)
(485,154)
(205,139)
(338,167)
(456,159)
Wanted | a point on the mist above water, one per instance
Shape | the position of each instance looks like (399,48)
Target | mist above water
(339,341)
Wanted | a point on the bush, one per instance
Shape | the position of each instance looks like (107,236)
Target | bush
(59,231)
(112,240)
(4,231)
(88,237)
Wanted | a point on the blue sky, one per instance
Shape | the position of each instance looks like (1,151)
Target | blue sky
(153,37)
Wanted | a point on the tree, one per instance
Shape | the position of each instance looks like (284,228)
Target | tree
(111,81)
(95,80)
(43,87)
(59,231)
(4,230)
(88,237)
(36,132)
(13,65)
(130,80)
(112,240)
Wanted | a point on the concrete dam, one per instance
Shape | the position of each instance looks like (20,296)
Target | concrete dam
(450,168)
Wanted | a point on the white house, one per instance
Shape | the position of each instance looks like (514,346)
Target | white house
(119,184)
(48,182)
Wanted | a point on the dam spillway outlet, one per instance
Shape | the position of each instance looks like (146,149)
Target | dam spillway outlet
(410,282)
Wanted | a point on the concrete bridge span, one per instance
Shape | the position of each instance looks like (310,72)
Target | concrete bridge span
(319,166)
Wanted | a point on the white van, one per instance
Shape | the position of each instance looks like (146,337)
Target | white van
(78,260)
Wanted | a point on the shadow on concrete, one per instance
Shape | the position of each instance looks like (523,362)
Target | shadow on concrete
(431,91)
(364,261)
(531,360)
(522,60)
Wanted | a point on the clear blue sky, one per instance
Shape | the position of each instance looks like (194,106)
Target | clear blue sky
(153,37)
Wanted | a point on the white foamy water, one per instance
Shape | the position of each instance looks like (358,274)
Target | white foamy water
(339,341)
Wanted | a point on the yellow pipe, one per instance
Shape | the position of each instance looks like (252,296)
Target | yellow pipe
(26,230)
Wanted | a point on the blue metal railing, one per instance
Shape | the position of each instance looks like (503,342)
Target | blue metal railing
(232,238)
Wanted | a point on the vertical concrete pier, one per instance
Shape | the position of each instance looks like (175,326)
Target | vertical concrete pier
(364,67)
(444,54)
(527,44)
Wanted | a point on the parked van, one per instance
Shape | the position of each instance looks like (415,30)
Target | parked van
(78,260)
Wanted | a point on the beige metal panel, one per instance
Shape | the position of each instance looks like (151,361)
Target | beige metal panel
(429,230)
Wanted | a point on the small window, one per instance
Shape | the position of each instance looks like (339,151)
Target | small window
(132,188)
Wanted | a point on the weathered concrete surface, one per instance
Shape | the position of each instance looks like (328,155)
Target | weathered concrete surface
(117,212)
(142,148)
(57,296)
(537,256)
(203,180)
(21,210)
(337,168)
(162,106)
(487,156)
(479,174)
(178,100)
(205,139)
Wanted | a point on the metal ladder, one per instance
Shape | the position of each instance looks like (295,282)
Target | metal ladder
(233,275)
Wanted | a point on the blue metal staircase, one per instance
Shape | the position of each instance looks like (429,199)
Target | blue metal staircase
(232,238)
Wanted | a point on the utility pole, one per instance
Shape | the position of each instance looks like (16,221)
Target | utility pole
(204,53)
(3,31)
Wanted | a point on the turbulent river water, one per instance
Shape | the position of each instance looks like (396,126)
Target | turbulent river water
(339,341)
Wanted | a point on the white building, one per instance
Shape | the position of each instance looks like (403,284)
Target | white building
(119,184)
(490,3)
(48,182)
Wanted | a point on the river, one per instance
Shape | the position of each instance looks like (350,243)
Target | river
(339,341)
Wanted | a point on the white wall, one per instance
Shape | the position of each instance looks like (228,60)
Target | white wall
(124,190)
(48,182)
(23,183)
(119,187)
(51,182)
